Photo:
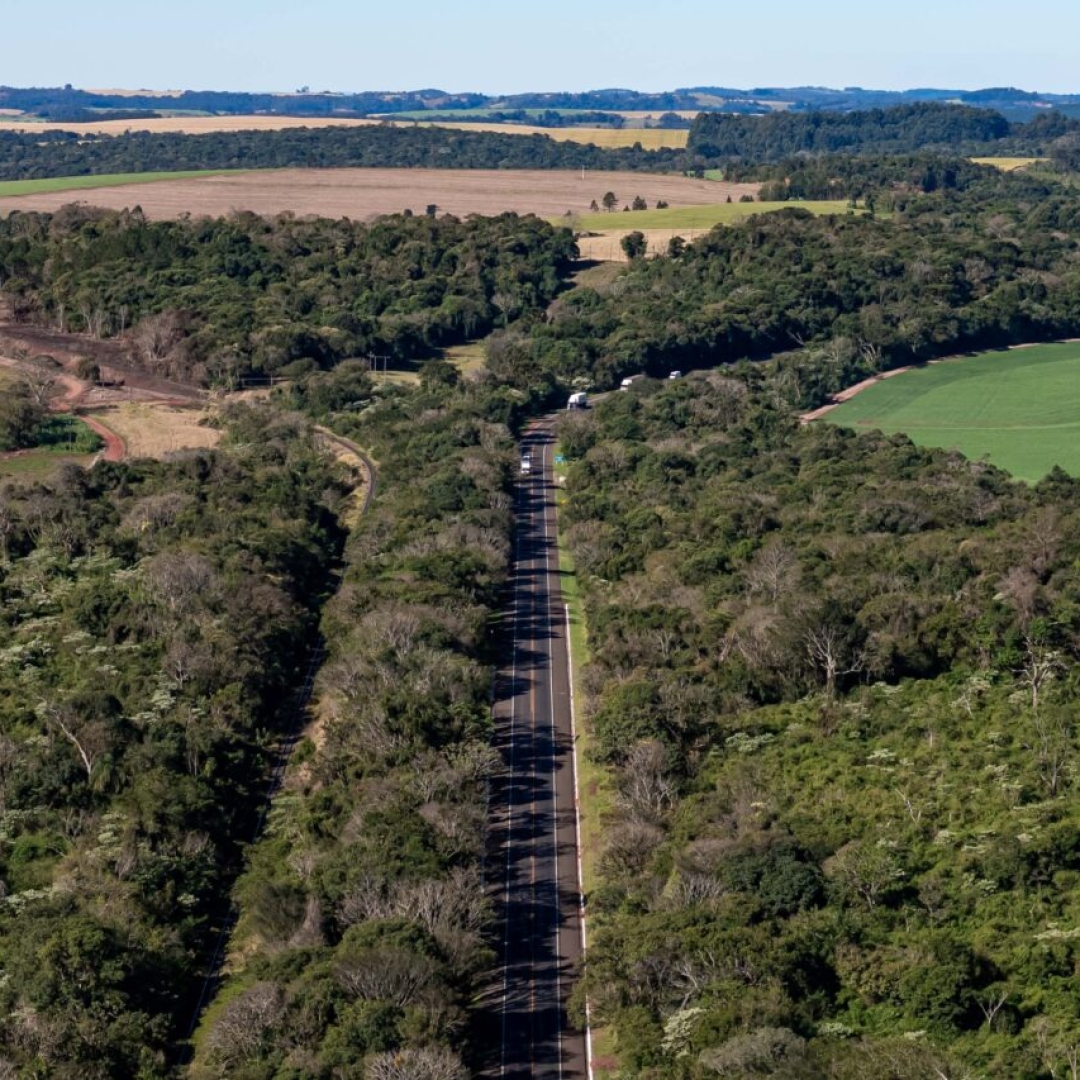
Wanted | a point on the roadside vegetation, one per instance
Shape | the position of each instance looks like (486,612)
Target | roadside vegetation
(364,932)
(830,675)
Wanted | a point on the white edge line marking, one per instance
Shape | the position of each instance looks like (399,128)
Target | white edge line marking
(577,828)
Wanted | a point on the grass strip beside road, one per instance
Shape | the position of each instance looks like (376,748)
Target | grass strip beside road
(78,183)
(594,782)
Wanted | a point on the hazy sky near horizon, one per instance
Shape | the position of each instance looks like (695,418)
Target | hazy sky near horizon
(494,48)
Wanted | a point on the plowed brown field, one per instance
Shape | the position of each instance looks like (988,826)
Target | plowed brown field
(362,193)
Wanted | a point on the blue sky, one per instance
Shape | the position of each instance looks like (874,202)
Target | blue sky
(506,48)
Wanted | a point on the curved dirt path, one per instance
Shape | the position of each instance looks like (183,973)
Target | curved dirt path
(851,391)
(115,450)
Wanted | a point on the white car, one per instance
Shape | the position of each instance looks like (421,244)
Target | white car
(526,466)
(675,375)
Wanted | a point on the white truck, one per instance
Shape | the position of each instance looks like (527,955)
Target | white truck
(579,400)
(629,381)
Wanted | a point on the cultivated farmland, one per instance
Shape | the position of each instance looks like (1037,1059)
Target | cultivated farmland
(1019,408)
(362,193)
(608,138)
(190,125)
(85,183)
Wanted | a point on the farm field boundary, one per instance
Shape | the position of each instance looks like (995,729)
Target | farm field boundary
(78,183)
(1018,408)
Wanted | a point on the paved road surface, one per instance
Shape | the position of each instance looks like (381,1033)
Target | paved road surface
(533,866)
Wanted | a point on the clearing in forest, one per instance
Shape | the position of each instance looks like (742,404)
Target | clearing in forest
(1008,164)
(689,222)
(155,431)
(1019,408)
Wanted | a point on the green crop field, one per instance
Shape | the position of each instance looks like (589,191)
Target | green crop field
(1019,408)
(698,217)
(74,183)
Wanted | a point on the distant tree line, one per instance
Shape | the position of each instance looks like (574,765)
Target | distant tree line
(45,154)
(903,129)
(730,142)
(46,101)
(760,100)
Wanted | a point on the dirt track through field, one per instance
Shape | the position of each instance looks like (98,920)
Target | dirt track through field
(115,450)
(364,193)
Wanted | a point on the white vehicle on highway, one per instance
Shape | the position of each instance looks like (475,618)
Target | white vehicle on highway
(526,465)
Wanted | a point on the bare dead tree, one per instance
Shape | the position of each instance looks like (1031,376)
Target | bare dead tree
(991,1001)
(1040,667)
(774,572)
(386,974)
(245,1022)
(1052,746)
(827,650)
(89,736)
(646,789)
(428,1063)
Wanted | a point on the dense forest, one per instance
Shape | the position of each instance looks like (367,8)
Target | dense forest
(940,273)
(217,300)
(952,256)
(155,620)
(834,679)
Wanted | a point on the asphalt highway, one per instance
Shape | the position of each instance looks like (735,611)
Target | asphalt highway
(533,868)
